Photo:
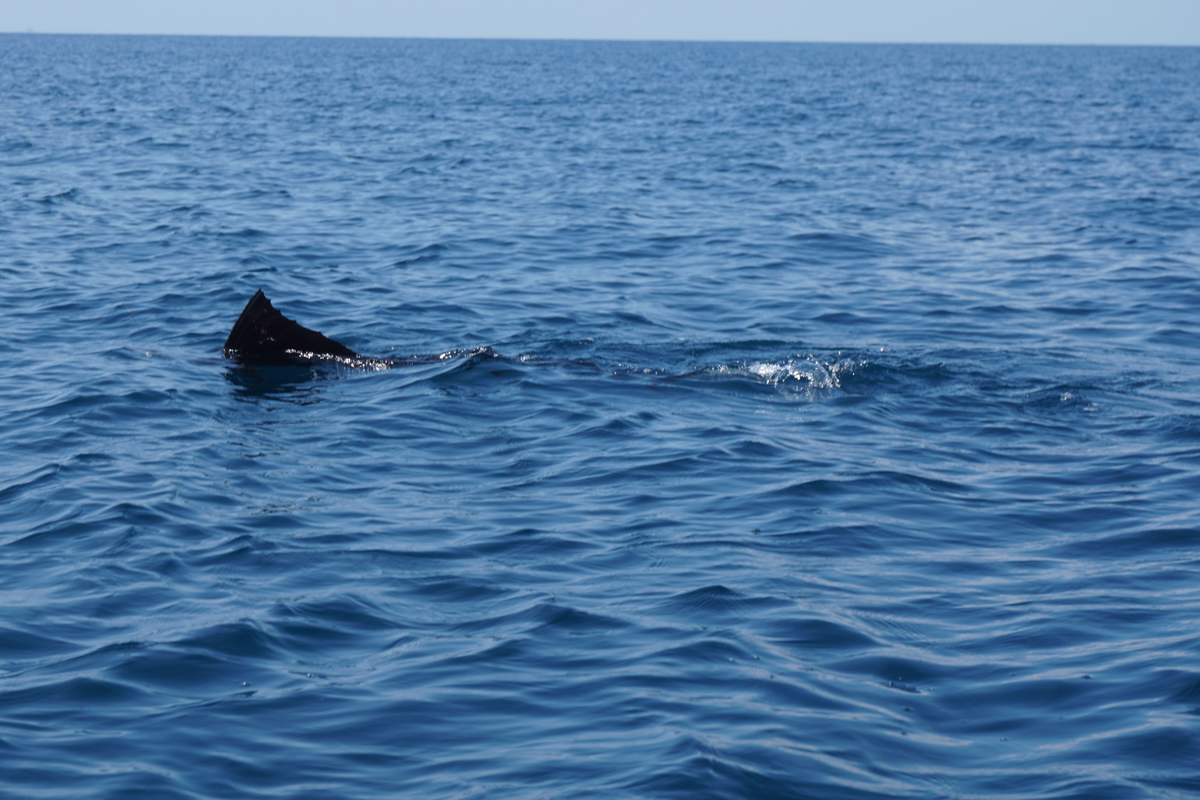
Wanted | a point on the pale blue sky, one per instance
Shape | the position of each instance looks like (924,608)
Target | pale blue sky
(989,21)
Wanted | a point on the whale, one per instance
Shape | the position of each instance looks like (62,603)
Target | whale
(263,335)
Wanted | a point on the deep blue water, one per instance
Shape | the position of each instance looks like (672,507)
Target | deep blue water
(839,435)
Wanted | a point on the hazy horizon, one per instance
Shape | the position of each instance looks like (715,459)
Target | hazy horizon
(1020,22)
(32,32)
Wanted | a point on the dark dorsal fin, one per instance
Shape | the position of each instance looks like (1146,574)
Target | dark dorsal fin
(262,332)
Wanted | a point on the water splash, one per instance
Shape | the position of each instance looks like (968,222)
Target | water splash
(801,374)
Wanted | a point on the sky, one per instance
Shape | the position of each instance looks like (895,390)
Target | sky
(1161,22)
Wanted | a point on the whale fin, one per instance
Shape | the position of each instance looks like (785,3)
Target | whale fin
(263,333)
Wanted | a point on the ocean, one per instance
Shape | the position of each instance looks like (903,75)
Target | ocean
(789,420)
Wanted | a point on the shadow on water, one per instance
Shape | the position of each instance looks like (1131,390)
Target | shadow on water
(292,383)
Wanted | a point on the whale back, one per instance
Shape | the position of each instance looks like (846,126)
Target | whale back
(263,333)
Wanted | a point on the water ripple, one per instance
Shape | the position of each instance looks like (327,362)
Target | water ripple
(735,421)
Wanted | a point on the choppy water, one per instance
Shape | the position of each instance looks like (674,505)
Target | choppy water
(839,435)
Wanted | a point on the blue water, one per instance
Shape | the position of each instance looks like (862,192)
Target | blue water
(813,422)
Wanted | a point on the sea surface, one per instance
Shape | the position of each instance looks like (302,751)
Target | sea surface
(808,421)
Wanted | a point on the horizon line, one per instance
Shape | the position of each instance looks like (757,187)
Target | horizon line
(639,40)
